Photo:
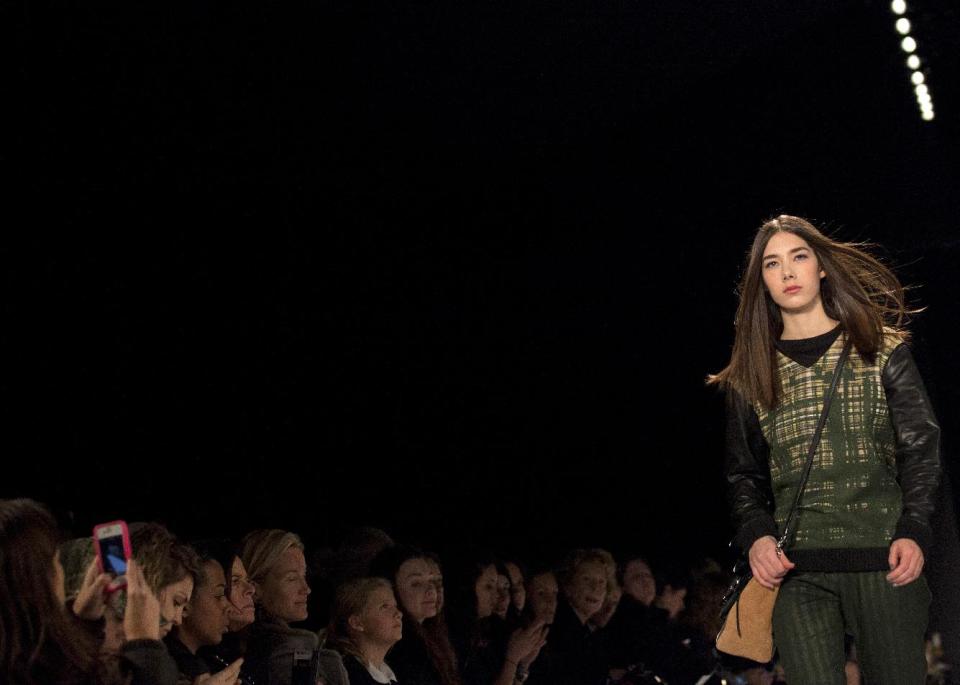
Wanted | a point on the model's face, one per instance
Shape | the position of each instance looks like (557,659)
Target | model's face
(503,596)
(486,591)
(542,596)
(518,593)
(284,591)
(241,612)
(206,617)
(639,583)
(381,621)
(587,589)
(417,589)
(173,598)
(791,273)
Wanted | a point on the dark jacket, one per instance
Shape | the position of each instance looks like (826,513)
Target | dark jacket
(358,673)
(147,662)
(189,665)
(411,662)
(481,648)
(574,654)
(271,650)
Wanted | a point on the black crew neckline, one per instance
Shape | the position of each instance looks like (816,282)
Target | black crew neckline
(806,351)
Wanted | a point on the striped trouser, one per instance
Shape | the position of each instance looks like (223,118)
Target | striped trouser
(815,610)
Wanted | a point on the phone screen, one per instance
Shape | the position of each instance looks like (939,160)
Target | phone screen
(112,551)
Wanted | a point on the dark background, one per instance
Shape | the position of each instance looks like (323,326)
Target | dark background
(453,269)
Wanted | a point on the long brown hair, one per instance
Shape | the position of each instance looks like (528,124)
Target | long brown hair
(38,642)
(436,637)
(859,291)
(433,632)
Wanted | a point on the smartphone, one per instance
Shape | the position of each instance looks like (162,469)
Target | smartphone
(112,543)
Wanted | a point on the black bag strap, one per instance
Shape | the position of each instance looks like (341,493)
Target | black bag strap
(813,445)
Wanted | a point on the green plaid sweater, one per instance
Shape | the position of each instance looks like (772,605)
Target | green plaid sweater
(852,501)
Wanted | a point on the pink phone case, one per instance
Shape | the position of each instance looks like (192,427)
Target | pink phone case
(124,532)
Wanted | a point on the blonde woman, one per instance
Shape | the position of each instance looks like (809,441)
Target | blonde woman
(365,623)
(277,568)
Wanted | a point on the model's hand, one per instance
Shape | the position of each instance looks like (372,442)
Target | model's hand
(906,562)
(768,566)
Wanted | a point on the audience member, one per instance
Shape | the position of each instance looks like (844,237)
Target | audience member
(364,624)
(205,621)
(40,641)
(169,567)
(425,655)
(575,652)
(472,597)
(278,569)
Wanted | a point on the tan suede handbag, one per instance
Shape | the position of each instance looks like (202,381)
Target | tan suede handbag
(747,610)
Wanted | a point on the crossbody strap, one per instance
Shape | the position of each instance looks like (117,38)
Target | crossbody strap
(813,445)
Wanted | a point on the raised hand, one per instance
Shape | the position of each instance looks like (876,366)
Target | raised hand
(90,602)
(525,643)
(228,676)
(142,617)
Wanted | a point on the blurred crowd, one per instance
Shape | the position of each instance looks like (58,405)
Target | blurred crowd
(264,610)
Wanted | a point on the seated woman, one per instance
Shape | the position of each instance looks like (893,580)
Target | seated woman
(240,611)
(471,601)
(278,569)
(43,642)
(518,585)
(504,601)
(541,597)
(79,559)
(575,653)
(364,624)
(633,636)
(614,593)
(205,621)
(169,567)
(424,655)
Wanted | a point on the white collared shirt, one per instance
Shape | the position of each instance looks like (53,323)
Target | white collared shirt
(383,675)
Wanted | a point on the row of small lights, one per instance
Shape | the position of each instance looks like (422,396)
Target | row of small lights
(909,46)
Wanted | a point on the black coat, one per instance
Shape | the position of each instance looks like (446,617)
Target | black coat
(574,654)
(358,673)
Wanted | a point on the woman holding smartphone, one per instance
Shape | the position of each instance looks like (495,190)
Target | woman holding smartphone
(40,642)
(854,562)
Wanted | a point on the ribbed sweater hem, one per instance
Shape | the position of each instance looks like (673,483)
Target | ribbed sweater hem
(850,560)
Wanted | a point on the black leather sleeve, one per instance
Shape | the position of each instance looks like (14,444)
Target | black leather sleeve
(747,471)
(918,446)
